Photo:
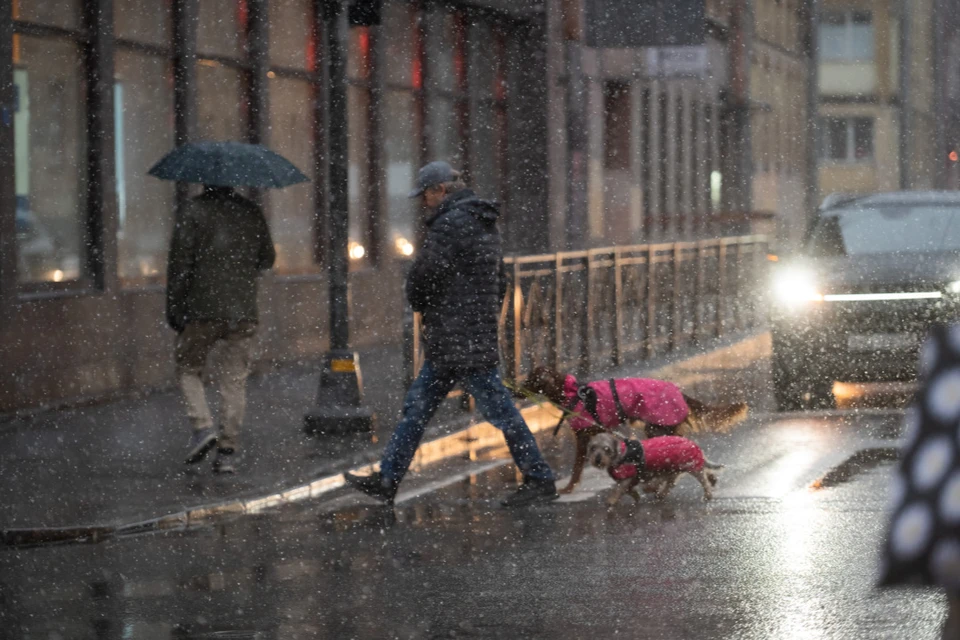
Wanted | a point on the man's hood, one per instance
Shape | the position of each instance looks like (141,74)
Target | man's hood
(486,211)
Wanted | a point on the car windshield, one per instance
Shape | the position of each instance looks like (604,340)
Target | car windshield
(886,229)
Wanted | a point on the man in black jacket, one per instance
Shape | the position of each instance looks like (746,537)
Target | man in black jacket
(457,283)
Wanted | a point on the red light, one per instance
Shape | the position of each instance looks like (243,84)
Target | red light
(311,53)
(954,156)
(417,75)
(365,43)
(243,14)
(459,68)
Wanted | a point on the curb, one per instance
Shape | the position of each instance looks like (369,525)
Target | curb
(468,443)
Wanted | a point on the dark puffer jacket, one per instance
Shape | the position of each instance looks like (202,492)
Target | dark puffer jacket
(218,248)
(458,282)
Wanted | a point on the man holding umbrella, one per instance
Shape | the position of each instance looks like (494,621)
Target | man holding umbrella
(220,245)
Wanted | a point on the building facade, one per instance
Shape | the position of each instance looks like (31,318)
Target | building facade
(872,54)
(583,146)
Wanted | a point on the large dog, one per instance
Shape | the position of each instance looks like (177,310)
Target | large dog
(657,407)
(657,462)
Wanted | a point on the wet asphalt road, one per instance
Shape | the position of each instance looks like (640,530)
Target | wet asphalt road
(786,550)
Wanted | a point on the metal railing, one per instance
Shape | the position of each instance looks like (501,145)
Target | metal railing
(580,310)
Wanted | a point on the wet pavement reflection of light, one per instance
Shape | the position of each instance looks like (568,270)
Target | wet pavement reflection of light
(769,558)
(452,565)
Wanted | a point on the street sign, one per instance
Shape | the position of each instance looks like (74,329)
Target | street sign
(644,23)
(677,61)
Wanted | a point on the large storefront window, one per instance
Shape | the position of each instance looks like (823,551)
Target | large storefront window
(400,64)
(291,210)
(401,147)
(144,131)
(403,74)
(221,104)
(484,87)
(291,38)
(358,105)
(442,131)
(49,158)
(140,21)
(439,46)
(358,121)
(221,27)
(59,13)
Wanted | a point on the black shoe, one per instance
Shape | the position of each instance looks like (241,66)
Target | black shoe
(372,485)
(224,462)
(200,444)
(531,492)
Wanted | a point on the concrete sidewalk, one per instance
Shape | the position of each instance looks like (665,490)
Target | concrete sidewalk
(121,463)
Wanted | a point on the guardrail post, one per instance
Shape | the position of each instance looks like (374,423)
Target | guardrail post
(557,313)
(587,319)
(651,299)
(676,327)
(738,307)
(721,269)
(618,308)
(516,324)
(760,279)
(698,292)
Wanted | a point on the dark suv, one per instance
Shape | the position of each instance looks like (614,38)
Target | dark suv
(854,304)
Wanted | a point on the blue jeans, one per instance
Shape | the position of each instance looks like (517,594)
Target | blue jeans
(492,398)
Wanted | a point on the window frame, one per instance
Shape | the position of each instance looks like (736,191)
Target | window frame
(367,82)
(166,54)
(850,143)
(91,271)
(847,39)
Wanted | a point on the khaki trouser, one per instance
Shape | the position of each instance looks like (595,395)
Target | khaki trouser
(192,348)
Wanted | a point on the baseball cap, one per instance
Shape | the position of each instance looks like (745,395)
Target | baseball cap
(432,174)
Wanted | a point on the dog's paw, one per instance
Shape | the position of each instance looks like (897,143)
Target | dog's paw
(567,490)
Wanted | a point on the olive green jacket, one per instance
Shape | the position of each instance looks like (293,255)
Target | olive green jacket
(219,247)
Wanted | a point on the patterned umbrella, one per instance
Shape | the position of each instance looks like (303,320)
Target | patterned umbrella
(923,541)
(228,164)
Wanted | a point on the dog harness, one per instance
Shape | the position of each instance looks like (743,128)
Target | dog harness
(664,454)
(609,403)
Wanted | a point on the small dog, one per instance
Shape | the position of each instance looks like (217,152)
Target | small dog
(657,407)
(656,462)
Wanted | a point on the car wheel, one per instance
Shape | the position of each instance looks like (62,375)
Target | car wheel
(794,388)
(786,391)
(821,395)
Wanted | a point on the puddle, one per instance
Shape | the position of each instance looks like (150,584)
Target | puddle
(861,461)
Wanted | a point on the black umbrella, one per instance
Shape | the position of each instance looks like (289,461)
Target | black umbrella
(227,164)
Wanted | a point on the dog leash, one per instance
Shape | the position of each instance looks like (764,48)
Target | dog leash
(588,396)
(566,411)
(621,414)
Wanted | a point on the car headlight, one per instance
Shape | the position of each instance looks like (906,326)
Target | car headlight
(796,286)
(954,287)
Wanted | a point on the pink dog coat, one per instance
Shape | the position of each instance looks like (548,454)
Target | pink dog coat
(658,455)
(656,402)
